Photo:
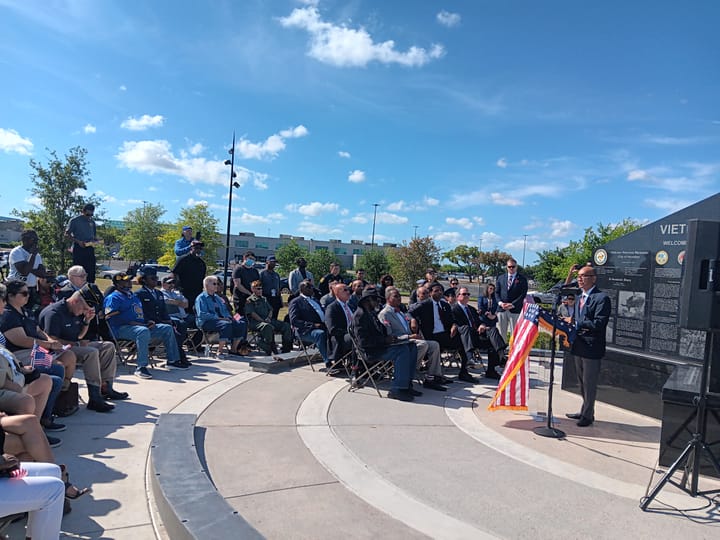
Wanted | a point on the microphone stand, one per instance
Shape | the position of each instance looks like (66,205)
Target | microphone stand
(549,430)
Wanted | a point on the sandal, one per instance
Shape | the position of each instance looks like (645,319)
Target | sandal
(71,492)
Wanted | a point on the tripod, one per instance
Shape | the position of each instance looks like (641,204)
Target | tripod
(697,447)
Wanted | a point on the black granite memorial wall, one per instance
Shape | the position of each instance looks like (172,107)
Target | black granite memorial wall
(642,273)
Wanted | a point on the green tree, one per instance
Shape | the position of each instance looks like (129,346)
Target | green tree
(58,186)
(203,222)
(553,264)
(493,262)
(409,261)
(466,258)
(319,263)
(142,240)
(376,264)
(287,254)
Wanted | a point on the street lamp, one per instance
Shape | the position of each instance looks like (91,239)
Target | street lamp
(524,246)
(372,240)
(233,183)
(416,228)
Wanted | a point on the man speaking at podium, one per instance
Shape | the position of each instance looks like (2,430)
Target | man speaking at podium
(591,318)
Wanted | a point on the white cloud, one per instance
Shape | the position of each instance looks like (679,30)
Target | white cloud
(12,141)
(416,206)
(637,174)
(196,149)
(314,208)
(205,194)
(156,157)
(153,188)
(502,163)
(317,229)
(123,88)
(196,202)
(89,128)
(144,122)
(502,200)
(360,218)
(390,219)
(344,154)
(561,228)
(670,205)
(260,182)
(341,46)
(430,201)
(463,222)
(398,206)
(489,239)
(356,176)
(254,219)
(104,197)
(270,147)
(448,237)
(448,19)
(34,201)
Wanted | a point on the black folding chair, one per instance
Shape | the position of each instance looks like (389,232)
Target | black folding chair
(366,368)
(304,347)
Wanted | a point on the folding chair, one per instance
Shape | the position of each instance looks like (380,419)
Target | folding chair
(190,340)
(304,347)
(369,370)
(345,361)
(208,340)
(125,349)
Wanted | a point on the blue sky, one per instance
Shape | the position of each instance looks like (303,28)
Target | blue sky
(483,122)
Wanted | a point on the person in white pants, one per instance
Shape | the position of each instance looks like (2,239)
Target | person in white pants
(41,493)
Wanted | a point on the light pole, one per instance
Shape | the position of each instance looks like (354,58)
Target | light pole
(524,246)
(372,240)
(233,183)
(415,235)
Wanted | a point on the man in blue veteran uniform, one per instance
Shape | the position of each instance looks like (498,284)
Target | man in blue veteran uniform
(124,314)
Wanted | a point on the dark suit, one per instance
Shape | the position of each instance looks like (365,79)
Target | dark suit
(424,313)
(304,317)
(589,346)
(337,325)
(470,337)
(371,336)
(515,295)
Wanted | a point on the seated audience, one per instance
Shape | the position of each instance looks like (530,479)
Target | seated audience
(357,289)
(212,315)
(377,344)
(338,318)
(258,313)
(124,314)
(436,323)
(398,323)
(154,310)
(67,321)
(308,318)
(473,333)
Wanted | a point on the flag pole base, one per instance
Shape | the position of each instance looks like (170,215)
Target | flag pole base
(545,431)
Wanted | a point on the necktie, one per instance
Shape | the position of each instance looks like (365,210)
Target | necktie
(348,313)
(511,279)
(582,301)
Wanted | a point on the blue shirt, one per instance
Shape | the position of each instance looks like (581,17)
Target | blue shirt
(128,306)
(182,246)
(209,307)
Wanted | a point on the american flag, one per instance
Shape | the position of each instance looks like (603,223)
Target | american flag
(40,356)
(514,387)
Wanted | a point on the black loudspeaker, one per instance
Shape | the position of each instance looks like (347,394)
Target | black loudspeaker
(700,287)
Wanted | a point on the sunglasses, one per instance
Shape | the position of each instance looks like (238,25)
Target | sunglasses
(464,294)
(509,266)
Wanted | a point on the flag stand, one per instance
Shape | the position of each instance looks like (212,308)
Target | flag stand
(549,430)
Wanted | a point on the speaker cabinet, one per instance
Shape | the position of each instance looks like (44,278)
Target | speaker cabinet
(700,290)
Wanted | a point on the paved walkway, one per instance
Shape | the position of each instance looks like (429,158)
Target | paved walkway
(301,457)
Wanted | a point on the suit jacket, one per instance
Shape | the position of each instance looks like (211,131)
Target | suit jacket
(516,294)
(484,305)
(302,315)
(390,320)
(461,319)
(369,331)
(425,316)
(337,325)
(591,322)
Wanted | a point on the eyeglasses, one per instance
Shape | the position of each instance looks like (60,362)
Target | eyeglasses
(585,276)
(511,266)
(464,294)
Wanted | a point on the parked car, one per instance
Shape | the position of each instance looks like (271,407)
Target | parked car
(106,272)
(162,271)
